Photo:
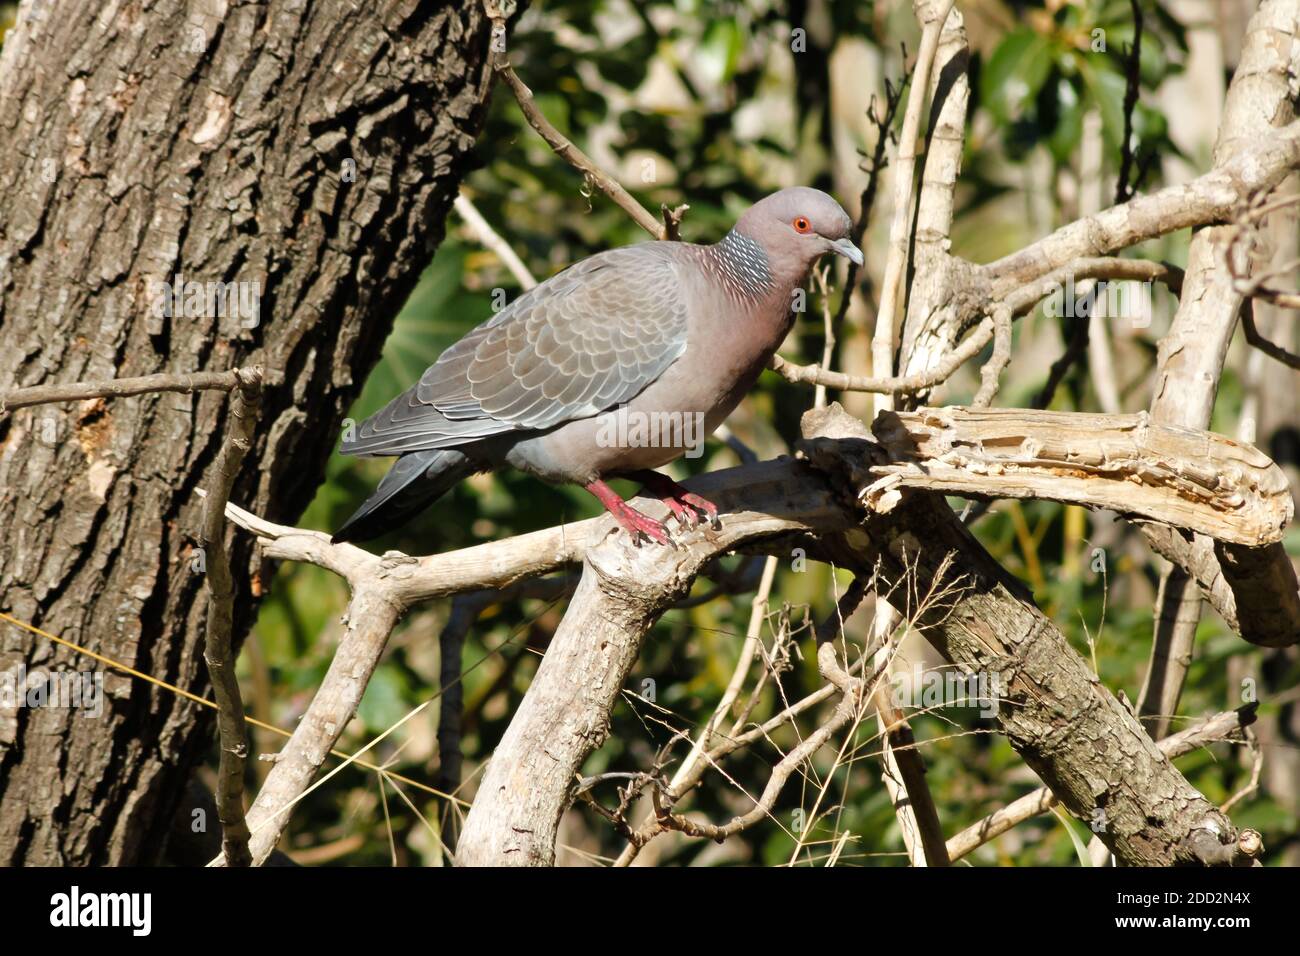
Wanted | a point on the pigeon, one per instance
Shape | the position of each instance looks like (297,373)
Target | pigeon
(616,366)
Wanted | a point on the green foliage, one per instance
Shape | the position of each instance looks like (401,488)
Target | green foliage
(1045,75)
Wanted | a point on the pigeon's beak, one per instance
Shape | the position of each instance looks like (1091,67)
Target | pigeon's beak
(845,247)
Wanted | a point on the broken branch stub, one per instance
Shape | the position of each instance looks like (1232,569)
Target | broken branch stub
(1181,477)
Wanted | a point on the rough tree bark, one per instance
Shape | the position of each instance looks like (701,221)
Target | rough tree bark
(313,149)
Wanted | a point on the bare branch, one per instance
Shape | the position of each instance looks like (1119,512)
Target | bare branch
(575,157)
(371,616)
(1223,726)
(1086,745)
(1124,189)
(217,651)
(757,615)
(1254,338)
(932,266)
(1019,301)
(1261,164)
(624,590)
(932,14)
(1124,463)
(493,241)
(121,387)
(1191,356)
(997,362)
(763,500)
(812,374)
(904,768)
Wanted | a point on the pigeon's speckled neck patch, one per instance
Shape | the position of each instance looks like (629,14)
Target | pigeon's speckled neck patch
(742,265)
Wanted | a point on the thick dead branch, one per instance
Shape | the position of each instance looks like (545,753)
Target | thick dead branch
(964,292)
(931,278)
(756,500)
(1222,726)
(565,714)
(1125,463)
(932,14)
(1086,745)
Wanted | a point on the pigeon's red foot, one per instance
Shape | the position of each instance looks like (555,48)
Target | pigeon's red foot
(686,506)
(631,520)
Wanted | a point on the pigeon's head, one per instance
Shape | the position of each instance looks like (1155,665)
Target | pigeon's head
(802,224)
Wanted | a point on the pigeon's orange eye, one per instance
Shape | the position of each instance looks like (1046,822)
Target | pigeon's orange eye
(802,225)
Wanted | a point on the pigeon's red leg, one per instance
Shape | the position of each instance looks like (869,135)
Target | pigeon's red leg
(676,497)
(632,520)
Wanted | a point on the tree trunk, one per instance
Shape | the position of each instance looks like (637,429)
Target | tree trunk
(307,153)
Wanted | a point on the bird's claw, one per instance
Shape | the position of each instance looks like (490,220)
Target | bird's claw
(702,505)
(686,506)
(684,515)
(690,509)
(637,524)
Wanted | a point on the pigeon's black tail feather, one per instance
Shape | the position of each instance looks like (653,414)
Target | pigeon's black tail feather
(415,481)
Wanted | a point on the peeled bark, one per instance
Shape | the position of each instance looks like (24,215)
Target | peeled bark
(1079,738)
(310,149)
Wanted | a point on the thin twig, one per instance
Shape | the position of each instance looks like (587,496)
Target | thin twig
(851,691)
(1124,190)
(812,374)
(872,165)
(493,241)
(1256,339)
(1019,302)
(757,614)
(992,371)
(1256,767)
(575,157)
(120,387)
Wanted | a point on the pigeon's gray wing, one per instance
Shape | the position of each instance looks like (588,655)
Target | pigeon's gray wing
(584,341)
